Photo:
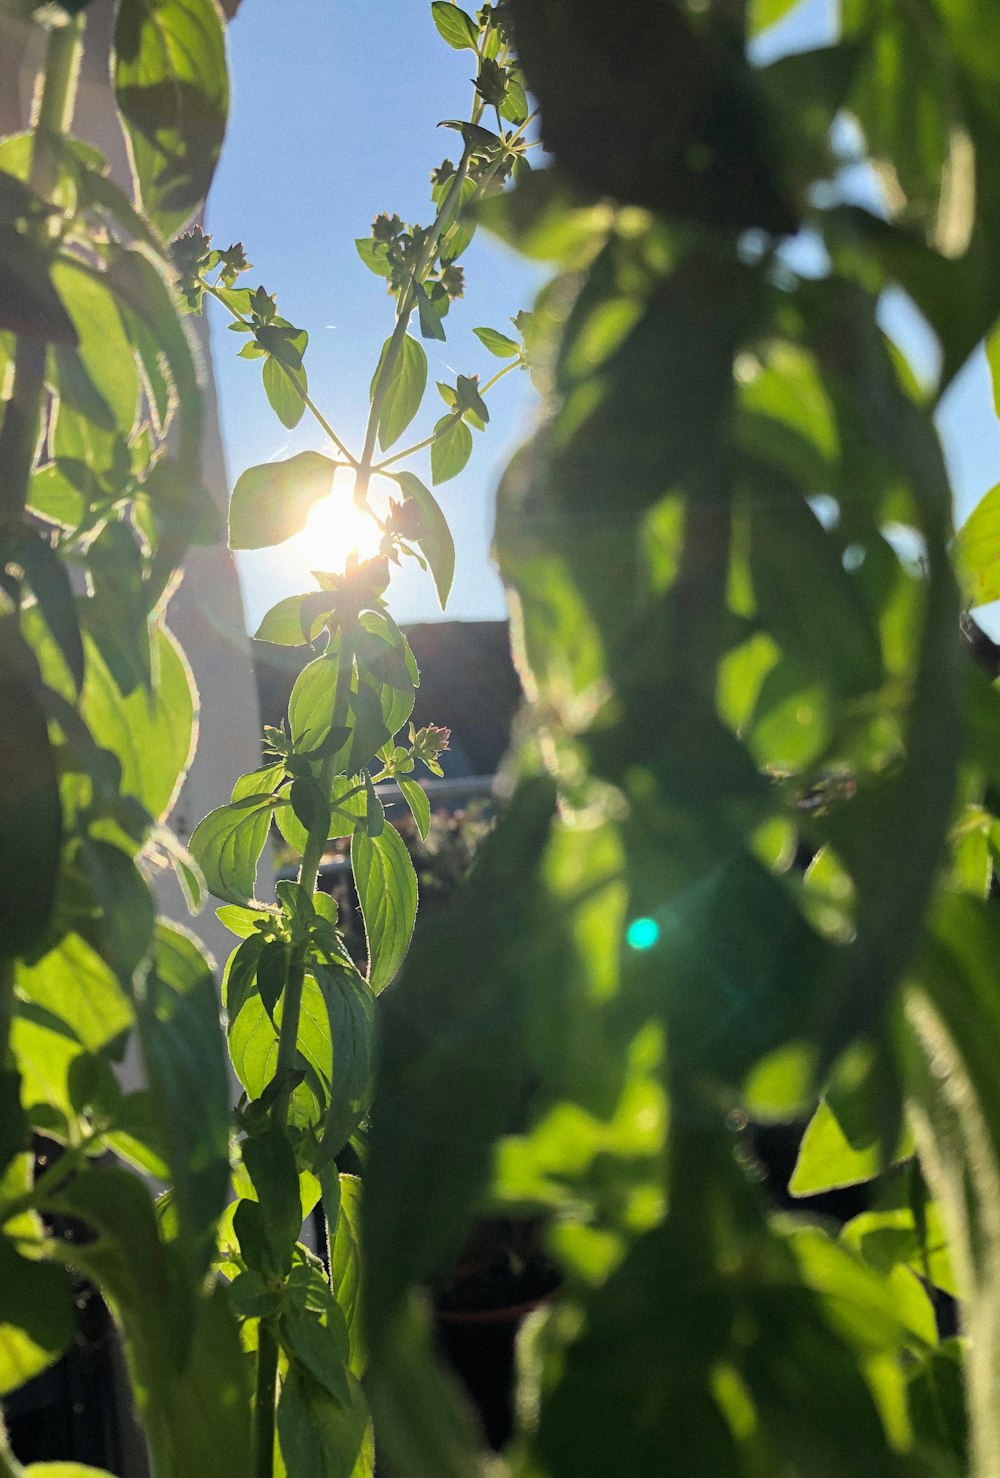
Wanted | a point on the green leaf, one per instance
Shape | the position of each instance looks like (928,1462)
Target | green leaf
(310,707)
(387,893)
(451,448)
(310,805)
(431,325)
(49,581)
(404,391)
(227,846)
(185,1061)
(765,13)
(285,387)
(270,1163)
(375,255)
(351,1010)
(828,1159)
(458,29)
(30,810)
(153,736)
(420,807)
(144,297)
(342,1205)
(75,985)
(272,502)
(435,542)
(890,1239)
(283,623)
(187,1370)
(319,1437)
(103,348)
(36,1316)
(497,344)
(319,1348)
(253,1048)
(173,94)
(977,551)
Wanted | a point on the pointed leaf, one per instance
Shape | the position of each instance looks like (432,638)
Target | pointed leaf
(451,449)
(387,892)
(436,541)
(173,94)
(405,390)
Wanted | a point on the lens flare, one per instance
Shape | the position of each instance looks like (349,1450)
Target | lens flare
(642,934)
(335,529)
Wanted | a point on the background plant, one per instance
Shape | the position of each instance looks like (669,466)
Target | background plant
(99,498)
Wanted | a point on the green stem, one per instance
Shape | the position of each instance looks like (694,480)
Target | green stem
(291,1010)
(455,416)
(303,395)
(264,1397)
(308,877)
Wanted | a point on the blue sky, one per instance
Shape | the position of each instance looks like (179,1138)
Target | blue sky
(335,107)
(334,118)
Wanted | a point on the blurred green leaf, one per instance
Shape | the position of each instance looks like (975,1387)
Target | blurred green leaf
(172,90)
(36,1316)
(184,1056)
(30,809)
(977,551)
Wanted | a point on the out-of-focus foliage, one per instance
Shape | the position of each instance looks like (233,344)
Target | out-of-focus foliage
(745,867)
(765,888)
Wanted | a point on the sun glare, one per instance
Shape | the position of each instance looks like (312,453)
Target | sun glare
(334,530)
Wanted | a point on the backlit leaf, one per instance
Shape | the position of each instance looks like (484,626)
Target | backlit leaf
(387,892)
(271,503)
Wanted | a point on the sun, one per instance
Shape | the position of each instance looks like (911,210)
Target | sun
(335,529)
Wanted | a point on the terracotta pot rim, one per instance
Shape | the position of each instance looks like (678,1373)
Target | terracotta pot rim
(507,1314)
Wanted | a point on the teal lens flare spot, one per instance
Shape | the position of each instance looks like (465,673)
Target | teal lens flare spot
(642,933)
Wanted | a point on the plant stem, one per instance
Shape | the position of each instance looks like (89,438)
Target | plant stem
(291,1010)
(455,416)
(303,395)
(264,1397)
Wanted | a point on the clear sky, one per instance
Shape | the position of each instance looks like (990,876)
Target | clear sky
(334,118)
(335,107)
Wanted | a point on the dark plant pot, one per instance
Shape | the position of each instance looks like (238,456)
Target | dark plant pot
(502,1276)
